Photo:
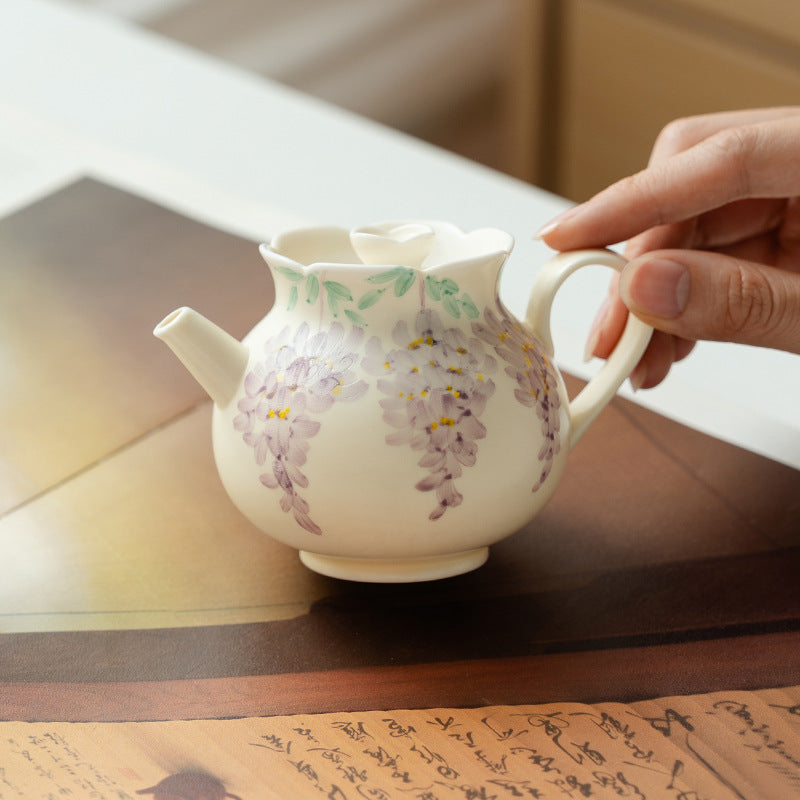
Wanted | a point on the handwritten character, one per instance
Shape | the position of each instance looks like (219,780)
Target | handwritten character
(664,724)
(354,730)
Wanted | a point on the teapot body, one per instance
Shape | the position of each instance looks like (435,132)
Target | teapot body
(392,413)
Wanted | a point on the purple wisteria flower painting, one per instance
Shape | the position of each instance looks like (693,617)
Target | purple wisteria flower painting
(435,384)
(301,375)
(536,380)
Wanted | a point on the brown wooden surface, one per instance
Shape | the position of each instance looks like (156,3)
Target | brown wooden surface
(371,626)
(625,674)
(86,274)
(667,561)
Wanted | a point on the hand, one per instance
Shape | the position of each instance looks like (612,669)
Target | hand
(713,230)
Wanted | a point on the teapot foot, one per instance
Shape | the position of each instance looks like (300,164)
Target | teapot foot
(395,570)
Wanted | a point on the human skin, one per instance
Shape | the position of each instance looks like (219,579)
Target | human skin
(713,237)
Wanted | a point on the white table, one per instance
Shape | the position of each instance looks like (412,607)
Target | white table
(82,94)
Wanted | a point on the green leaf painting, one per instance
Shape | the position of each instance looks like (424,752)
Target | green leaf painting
(340,298)
(433,288)
(290,274)
(404,283)
(338,290)
(449,286)
(451,306)
(312,289)
(389,275)
(355,318)
(469,307)
(370,298)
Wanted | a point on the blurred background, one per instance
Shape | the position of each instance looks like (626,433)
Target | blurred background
(567,94)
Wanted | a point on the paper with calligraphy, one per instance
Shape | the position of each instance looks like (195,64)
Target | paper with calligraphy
(726,745)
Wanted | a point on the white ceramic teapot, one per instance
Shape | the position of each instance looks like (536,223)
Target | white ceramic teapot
(389,417)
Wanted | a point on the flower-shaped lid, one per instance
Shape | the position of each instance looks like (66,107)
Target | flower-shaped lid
(418,244)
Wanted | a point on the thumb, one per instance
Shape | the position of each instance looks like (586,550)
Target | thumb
(703,295)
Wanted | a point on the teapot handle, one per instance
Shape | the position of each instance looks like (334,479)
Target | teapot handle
(585,407)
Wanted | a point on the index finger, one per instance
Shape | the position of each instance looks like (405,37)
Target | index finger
(759,160)
(681,134)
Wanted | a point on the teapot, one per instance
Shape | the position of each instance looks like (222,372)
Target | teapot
(389,418)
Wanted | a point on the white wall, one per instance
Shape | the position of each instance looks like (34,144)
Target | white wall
(402,62)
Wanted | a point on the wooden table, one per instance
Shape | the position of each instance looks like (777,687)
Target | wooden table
(666,563)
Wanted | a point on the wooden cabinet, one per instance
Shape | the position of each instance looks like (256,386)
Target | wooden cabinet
(619,70)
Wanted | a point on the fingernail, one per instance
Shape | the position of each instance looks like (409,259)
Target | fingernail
(549,227)
(659,287)
(594,331)
(638,377)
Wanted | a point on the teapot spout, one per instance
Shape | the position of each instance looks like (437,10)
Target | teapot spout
(216,360)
